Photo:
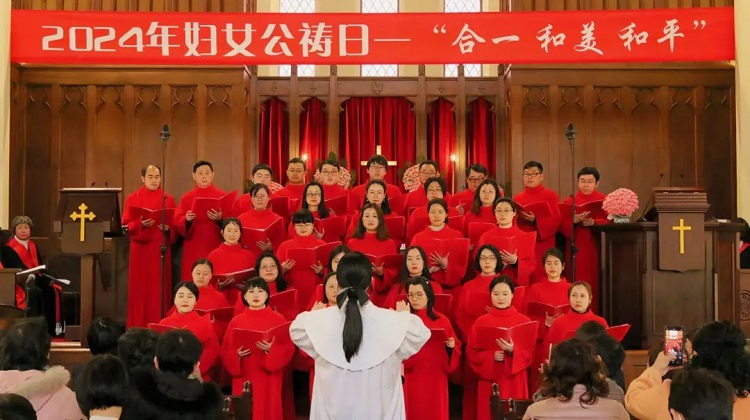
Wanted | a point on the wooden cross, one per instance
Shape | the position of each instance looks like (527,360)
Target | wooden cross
(682,228)
(82,216)
(378,152)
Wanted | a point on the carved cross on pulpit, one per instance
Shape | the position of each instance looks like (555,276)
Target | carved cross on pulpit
(682,228)
(378,151)
(83,216)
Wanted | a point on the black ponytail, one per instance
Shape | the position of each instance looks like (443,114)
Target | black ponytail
(354,274)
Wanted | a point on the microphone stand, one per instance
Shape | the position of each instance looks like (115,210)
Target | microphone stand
(26,291)
(165,233)
(571,135)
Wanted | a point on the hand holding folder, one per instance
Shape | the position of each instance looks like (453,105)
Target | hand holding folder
(142,213)
(220,318)
(545,313)
(338,205)
(275,233)
(442,302)
(540,209)
(249,338)
(234,279)
(305,258)
(522,336)
(594,208)
(456,250)
(285,303)
(283,206)
(224,204)
(333,228)
(389,262)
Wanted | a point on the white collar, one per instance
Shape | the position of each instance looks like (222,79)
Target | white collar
(24,243)
(434,229)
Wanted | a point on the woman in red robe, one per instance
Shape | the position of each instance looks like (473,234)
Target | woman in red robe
(507,363)
(263,363)
(426,372)
(267,268)
(414,265)
(579,295)
(372,239)
(313,199)
(375,193)
(209,298)
(333,263)
(231,256)
(304,279)
(186,295)
(434,188)
(481,209)
(260,216)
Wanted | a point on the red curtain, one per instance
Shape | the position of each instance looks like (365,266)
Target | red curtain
(366,123)
(313,133)
(480,134)
(441,137)
(274,136)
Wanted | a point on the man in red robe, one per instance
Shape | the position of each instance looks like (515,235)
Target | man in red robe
(295,175)
(546,227)
(587,257)
(330,170)
(201,232)
(146,288)
(418,198)
(475,174)
(260,174)
(377,166)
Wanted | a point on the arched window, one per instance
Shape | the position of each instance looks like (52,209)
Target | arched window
(379,6)
(462,6)
(297,6)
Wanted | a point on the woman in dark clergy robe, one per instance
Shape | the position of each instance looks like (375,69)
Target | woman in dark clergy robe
(518,266)
(426,373)
(505,364)
(371,238)
(209,298)
(579,295)
(186,295)
(434,188)
(304,279)
(414,265)
(267,267)
(260,216)
(313,199)
(146,237)
(744,243)
(481,209)
(231,256)
(264,363)
(202,232)
(329,177)
(375,193)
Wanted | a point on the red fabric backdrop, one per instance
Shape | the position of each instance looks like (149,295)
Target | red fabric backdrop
(368,122)
(480,134)
(313,133)
(441,136)
(274,137)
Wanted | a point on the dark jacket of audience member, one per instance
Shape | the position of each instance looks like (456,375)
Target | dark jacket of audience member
(16,407)
(102,336)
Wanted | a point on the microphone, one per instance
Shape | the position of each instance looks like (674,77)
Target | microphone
(571,133)
(56,280)
(165,132)
(650,201)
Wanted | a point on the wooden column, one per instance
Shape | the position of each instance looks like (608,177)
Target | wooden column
(88,276)
(420,107)
(251,87)
(5,113)
(295,105)
(334,104)
(461,114)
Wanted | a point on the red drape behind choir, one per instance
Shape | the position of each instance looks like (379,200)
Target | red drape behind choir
(480,134)
(441,136)
(273,138)
(313,131)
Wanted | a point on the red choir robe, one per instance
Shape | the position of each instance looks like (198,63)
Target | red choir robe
(510,374)
(203,329)
(426,373)
(417,198)
(421,213)
(209,298)
(258,219)
(144,275)
(587,257)
(370,245)
(229,259)
(567,323)
(293,191)
(520,272)
(449,279)
(463,198)
(355,220)
(486,215)
(240,307)
(334,191)
(291,233)
(546,228)
(398,290)
(201,235)
(266,371)
(357,195)
(304,279)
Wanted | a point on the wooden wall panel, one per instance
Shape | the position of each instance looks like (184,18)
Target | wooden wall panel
(38,160)
(718,151)
(145,147)
(615,143)
(182,147)
(108,137)
(73,116)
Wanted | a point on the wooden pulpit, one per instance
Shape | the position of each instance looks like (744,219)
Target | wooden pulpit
(8,286)
(680,270)
(84,217)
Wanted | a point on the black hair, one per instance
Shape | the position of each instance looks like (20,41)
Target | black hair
(533,164)
(589,331)
(204,261)
(441,202)
(553,252)
(476,167)
(379,159)
(102,336)
(427,286)
(281,283)
(504,280)
(588,170)
(200,163)
(354,274)
(404,274)
(720,346)
(260,167)
(508,200)
(16,407)
(297,160)
(303,216)
(231,220)
(476,205)
(336,251)
(382,231)
(145,168)
(429,162)
(137,348)
(327,278)
(256,283)
(611,352)
(188,285)
(332,162)
(322,209)
(257,187)
(699,394)
(385,207)
(495,252)
(25,345)
(177,352)
(439,181)
(573,363)
(102,384)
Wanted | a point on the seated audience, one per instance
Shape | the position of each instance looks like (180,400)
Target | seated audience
(590,332)
(137,348)
(102,336)
(103,388)
(16,407)
(699,394)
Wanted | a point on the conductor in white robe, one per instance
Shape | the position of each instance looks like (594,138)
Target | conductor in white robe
(358,349)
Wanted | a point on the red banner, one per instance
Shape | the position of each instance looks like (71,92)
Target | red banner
(688,34)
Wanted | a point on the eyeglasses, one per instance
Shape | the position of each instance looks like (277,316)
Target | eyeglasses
(312,195)
(428,173)
(531,174)
(475,179)
(417,295)
(330,172)
(435,190)
(260,196)
(487,258)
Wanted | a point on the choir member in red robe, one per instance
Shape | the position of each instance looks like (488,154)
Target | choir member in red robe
(481,210)
(304,279)
(377,166)
(579,295)
(313,199)
(295,176)
(475,174)
(146,237)
(231,256)
(267,268)
(209,297)
(371,238)
(426,372)
(546,227)
(434,188)
(376,194)
(418,198)
(263,364)
(506,364)
(414,265)
(323,272)
(202,234)
(259,216)
(186,295)
(487,263)
(587,256)
(330,291)
(261,174)
(329,177)
(518,266)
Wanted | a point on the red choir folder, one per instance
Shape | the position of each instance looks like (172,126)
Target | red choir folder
(392,262)
(248,338)
(457,251)
(220,317)
(284,302)
(523,244)
(540,209)
(155,215)
(438,336)
(457,222)
(442,302)
(617,332)
(538,311)
(519,299)
(283,206)
(395,226)
(333,227)
(478,303)
(274,232)
(338,205)
(304,258)
(160,328)
(201,205)
(476,229)
(594,207)
(398,204)
(523,336)
(234,279)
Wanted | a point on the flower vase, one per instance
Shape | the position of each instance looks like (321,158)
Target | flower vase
(621,218)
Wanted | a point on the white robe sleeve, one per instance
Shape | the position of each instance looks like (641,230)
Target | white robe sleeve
(417,335)
(298,333)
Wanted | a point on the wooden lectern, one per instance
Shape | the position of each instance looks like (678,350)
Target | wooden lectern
(8,286)
(680,270)
(84,217)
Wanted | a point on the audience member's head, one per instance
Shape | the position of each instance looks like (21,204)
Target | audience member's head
(573,363)
(102,335)
(16,407)
(699,394)
(103,384)
(137,348)
(178,352)
(720,346)
(589,331)
(611,352)
(25,345)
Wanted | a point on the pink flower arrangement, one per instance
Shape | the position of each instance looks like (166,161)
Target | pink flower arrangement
(345,178)
(620,202)
(410,178)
